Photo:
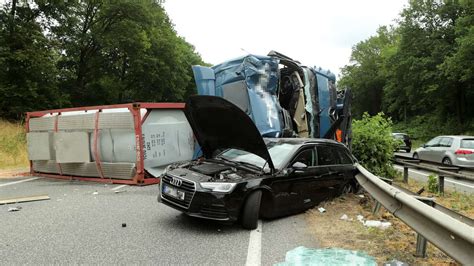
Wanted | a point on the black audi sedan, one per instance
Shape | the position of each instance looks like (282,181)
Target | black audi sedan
(242,176)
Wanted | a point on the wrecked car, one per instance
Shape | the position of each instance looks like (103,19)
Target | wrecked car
(243,176)
(281,96)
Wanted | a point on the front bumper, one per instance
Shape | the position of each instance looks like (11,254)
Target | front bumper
(205,204)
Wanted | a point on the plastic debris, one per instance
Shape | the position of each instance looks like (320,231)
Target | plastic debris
(344,217)
(361,196)
(327,256)
(119,191)
(378,224)
(360,218)
(95,193)
(321,209)
(395,263)
(14,209)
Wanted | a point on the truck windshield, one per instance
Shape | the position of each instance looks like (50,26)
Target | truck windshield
(279,152)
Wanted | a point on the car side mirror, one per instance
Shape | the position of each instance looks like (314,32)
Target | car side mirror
(299,166)
(296,167)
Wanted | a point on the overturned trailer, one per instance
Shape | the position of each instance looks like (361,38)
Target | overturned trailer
(124,143)
(283,98)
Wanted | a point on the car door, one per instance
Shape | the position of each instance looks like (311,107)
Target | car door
(332,172)
(439,151)
(291,191)
(428,152)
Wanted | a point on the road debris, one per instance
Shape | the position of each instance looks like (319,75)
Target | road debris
(124,225)
(24,199)
(14,209)
(344,217)
(95,193)
(378,224)
(326,256)
(395,263)
(321,209)
(119,191)
(360,218)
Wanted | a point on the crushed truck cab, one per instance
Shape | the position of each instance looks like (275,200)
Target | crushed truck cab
(282,97)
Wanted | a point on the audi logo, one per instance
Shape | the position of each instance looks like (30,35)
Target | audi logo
(176,182)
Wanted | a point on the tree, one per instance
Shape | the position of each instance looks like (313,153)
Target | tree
(365,75)
(28,73)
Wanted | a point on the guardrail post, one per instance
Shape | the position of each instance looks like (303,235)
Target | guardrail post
(376,207)
(441,184)
(420,246)
(405,174)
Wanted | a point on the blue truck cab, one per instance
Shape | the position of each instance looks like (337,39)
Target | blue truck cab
(282,97)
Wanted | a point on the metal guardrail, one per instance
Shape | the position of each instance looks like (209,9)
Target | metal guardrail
(451,234)
(441,171)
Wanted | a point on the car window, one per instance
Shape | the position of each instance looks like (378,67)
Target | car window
(345,158)
(398,136)
(467,143)
(446,142)
(307,157)
(328,155)
(434,142)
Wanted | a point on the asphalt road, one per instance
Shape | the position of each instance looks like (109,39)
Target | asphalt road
(80,226)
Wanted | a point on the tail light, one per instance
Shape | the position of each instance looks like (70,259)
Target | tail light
(463,152)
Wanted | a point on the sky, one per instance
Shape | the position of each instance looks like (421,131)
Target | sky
(316,33)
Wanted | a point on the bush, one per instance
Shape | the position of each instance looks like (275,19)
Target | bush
(433,183)
(13,151)
(373,144)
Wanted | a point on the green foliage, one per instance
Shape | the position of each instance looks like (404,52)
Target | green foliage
(420,70)
(433,183)
(88,53)
(373,144)
(425,127)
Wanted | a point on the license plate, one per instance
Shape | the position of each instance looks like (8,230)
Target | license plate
(173,192)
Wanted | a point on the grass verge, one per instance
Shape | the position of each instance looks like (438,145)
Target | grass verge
(396,242)
(13,153)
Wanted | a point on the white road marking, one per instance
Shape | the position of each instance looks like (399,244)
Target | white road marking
(119,187)
(254,252)
(459,183)
(17,182)
(446,180)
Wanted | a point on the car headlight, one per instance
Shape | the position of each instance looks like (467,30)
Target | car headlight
(219,187)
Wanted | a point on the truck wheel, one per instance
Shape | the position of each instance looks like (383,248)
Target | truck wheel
(251,210)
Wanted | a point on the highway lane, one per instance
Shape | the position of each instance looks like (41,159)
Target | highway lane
(449,183)
(82,223)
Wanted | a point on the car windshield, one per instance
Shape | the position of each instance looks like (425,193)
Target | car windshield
(279,152)
(400,136)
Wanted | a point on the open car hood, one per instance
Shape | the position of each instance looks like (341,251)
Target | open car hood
(219,124)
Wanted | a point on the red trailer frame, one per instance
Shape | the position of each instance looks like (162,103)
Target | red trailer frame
(141,177)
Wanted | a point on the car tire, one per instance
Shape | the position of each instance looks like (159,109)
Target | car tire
(447,161)
(415,156)
(251,210)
